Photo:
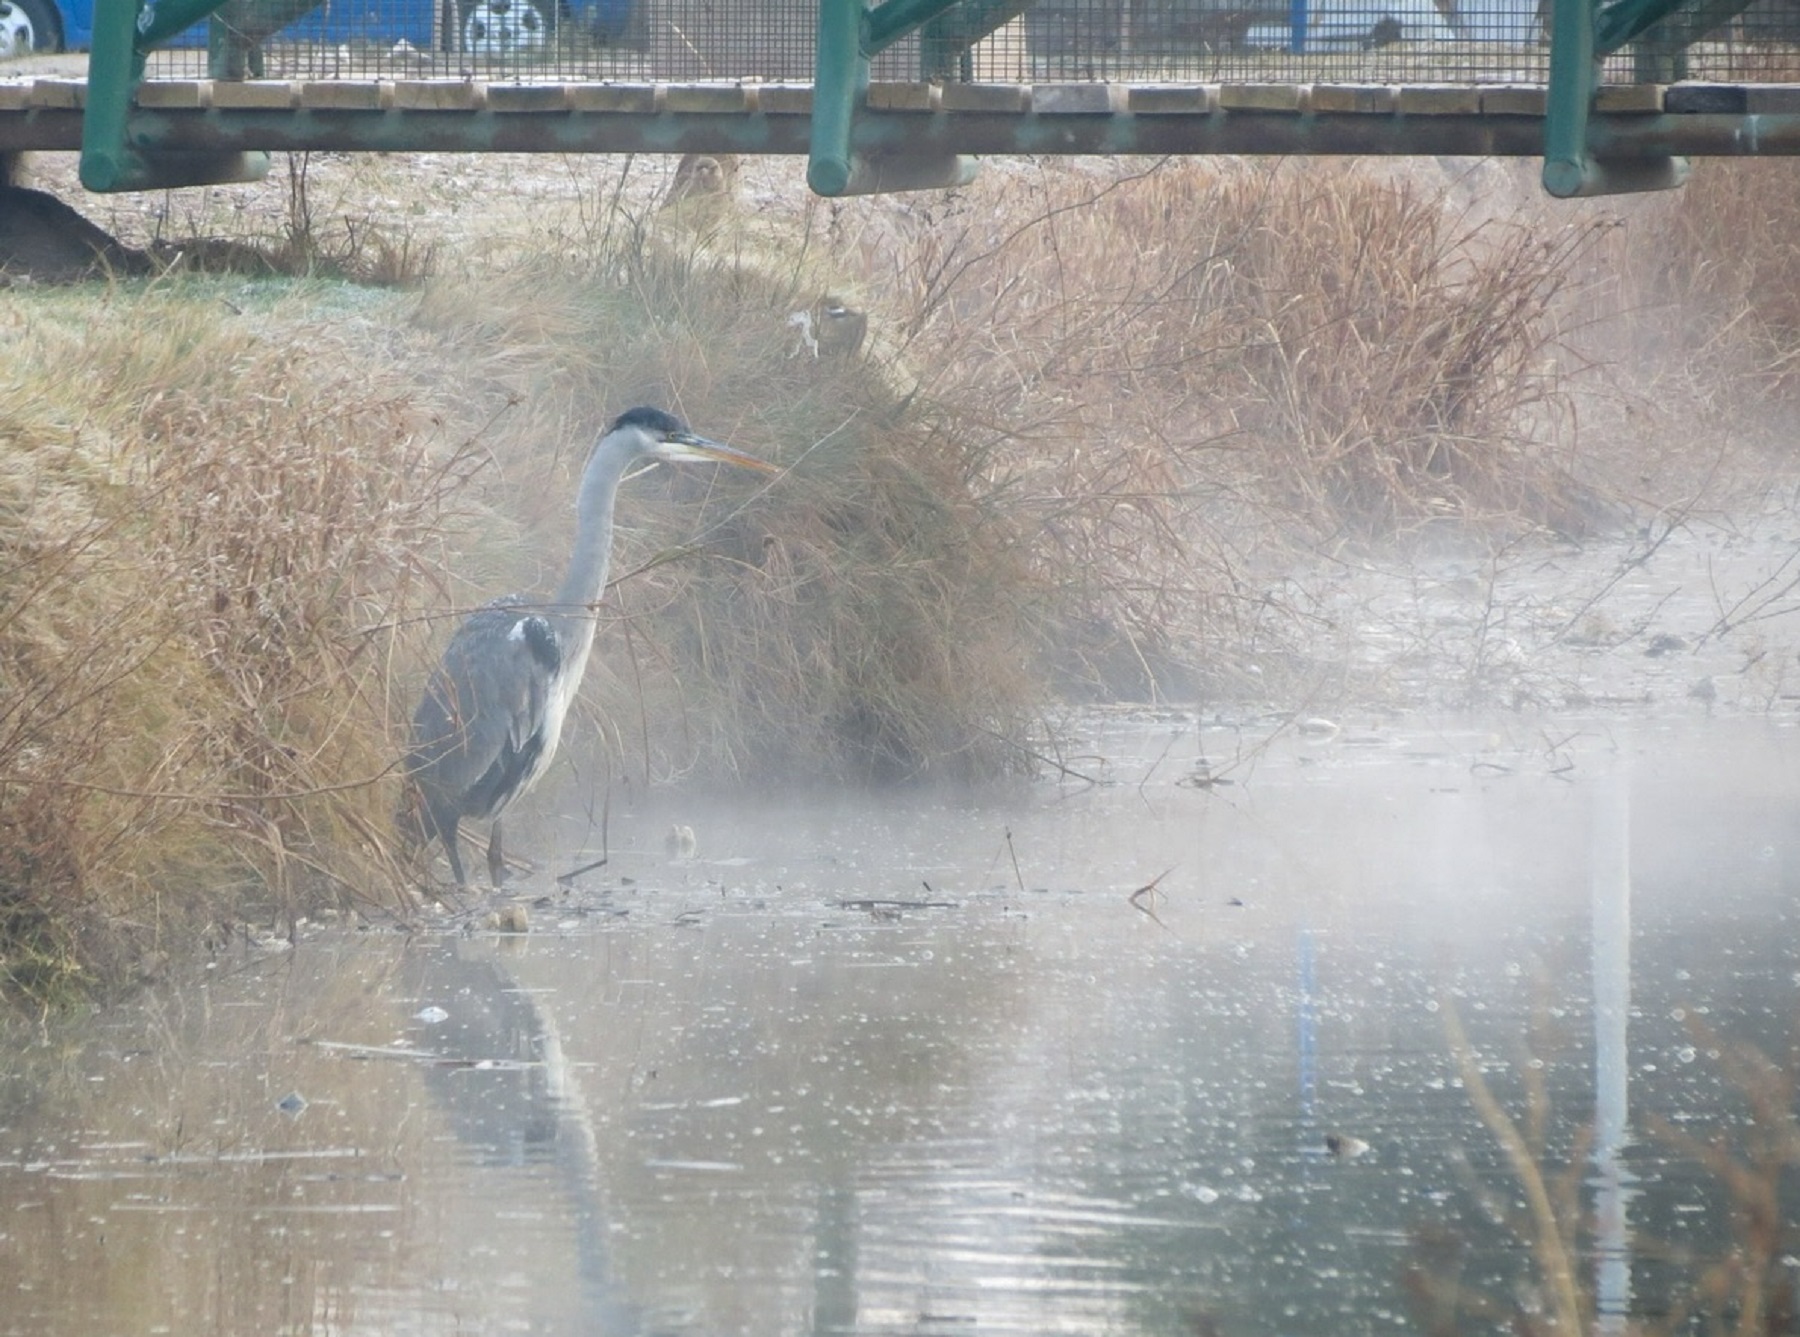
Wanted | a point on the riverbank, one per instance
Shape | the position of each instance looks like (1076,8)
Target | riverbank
(1299,440)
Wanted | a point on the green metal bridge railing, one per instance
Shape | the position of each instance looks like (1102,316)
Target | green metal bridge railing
(1161,50)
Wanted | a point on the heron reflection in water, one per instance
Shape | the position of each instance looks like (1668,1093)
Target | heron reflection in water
(487,727)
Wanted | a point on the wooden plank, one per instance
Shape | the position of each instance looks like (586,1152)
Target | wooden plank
(639,98)
(1172,99)
(1773,99)
(1705,99)
(255,94)
(1263,97)
(57,94)
(512,98)
(1358,99)
(439,95)
(1010,98)
(175,94)
(1071,99)
(346,95)
(785,99)
(1436,100)
(1526,100)
(899,96)
(720,99)
(1646,98)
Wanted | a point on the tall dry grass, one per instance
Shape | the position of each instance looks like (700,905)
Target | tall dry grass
(206,531)
(867,616)
(1096,414)
(1709,279)
(1174,373)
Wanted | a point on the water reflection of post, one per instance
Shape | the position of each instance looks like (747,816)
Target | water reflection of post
(1611,906)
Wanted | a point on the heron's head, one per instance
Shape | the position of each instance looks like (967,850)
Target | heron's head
(662,436)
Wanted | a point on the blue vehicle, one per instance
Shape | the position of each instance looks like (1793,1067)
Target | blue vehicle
(41,25)
(68,25)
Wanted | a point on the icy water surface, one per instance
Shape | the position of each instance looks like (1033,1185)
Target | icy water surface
(1072,1059)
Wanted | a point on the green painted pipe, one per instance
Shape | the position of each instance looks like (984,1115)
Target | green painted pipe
(889,22)
(114,67)
(841,81)
(1621,176)
(1569,97)
(170,17)
(892,173)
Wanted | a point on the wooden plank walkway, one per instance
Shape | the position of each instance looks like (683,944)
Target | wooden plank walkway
(470,116)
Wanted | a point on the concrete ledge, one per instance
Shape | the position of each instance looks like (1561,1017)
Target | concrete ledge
(1263,97)
(256,94)
(640,99)
(1172,99)
(1072,99)
(513,99)
(335,95)
(439,95)
(1004,98)
(1356,99)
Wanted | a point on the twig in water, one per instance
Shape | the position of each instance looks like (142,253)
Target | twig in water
(1015,859)
(873,903)
(1065,771)
(1142,900)
(565,878)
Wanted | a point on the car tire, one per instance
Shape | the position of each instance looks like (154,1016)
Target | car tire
(27,26)
(501,28)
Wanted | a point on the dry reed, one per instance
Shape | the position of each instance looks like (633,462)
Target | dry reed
(1094,416)
(865,616)
(1745,1289)
(1168,372)
(205,532)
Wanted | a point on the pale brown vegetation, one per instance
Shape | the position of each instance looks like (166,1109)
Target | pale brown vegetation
(1168,370)
(207,533)
(1090,419)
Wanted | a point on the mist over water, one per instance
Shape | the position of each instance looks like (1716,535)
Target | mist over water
(1067,1058)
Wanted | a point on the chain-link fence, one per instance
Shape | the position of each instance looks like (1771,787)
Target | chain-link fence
(1054,41)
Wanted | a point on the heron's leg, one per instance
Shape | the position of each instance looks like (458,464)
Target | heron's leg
(496,857)
(445,827)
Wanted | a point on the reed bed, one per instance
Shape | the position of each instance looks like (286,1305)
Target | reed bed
(1094,417)
(869,616)
(1175,375)
(206,534)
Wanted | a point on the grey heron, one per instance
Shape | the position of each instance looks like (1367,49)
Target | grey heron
(492,712)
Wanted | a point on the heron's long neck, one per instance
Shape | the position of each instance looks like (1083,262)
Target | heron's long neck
(585,580)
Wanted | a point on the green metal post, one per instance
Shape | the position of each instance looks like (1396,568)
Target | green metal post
(891,21)
(1573,75)
(946,42)
(840,81)
(114,67)
(171,17)
(124,30)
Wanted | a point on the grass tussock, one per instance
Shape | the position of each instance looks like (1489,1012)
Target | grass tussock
(1092,415)
(204,535)
(1166,372)
(867,616)
(1711,274)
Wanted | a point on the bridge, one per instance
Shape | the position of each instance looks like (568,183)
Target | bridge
(1614,95)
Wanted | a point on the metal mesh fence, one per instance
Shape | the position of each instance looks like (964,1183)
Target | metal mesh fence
(738,41)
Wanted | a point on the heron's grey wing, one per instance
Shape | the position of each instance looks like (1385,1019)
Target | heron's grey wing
(478,731)
(515,682)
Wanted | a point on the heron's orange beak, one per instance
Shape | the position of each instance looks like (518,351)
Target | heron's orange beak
(698,449)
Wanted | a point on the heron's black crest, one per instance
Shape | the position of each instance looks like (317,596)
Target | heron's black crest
(652,420)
